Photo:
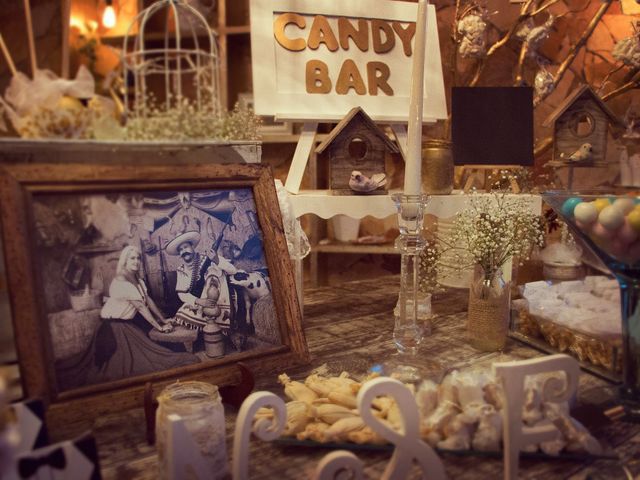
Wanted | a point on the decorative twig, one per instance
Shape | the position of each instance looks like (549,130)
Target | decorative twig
(606,78)
(543,8)
(7,56)
(66,17)
(476,76)
(32,43)
(542,146)
(631,73)
(525,14)
(514,27)
(573,53)
(520,67)
(635,83)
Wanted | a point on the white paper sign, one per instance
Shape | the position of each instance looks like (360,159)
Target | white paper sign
(304,52)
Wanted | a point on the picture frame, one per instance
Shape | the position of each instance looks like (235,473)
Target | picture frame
(39,205)
(270,126)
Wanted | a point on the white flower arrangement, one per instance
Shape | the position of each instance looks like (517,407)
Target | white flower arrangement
(494,228)
(429,266)
(186,121)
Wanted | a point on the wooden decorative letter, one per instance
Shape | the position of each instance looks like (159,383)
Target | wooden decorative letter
(338,463)
(409,447)
(378,74)
(378,29)
(317,77)
(266,430)
(405,35)
(280,23)
(350,78)
(321,32)
(360,36)
(512,375)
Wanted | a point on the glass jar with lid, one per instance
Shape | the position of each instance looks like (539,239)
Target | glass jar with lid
(199,405)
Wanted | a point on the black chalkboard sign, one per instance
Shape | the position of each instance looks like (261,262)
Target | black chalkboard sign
(492,125)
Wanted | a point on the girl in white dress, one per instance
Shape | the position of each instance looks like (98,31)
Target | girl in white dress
(120,347)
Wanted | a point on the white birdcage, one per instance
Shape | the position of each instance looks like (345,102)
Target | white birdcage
(170,69)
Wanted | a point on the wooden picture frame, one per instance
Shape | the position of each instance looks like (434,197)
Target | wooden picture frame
(25,186)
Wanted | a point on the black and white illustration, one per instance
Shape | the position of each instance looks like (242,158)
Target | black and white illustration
(136,283)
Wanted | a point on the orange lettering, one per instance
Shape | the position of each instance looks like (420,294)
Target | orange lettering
(349,78)
(321,33)
(317,77)
(379,27)
(405,34)
(378,74)
(280,23)
(360,36)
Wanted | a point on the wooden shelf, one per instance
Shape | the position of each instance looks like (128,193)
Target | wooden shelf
(333,246)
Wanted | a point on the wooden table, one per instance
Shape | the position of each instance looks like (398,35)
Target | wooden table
(349,327)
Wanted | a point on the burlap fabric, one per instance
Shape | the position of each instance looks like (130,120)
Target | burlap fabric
(488,320)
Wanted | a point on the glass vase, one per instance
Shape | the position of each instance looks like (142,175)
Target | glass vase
(409,331)
(199,405)
(488,313)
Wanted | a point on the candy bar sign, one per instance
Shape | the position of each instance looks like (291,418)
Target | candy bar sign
(316,59)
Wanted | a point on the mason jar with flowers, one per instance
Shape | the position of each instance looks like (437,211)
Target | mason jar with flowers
(491,230)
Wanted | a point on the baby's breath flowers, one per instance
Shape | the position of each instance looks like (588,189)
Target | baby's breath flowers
(186,120)
(429,263)
(496,227)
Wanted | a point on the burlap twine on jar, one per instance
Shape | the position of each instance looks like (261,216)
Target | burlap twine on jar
(488,321)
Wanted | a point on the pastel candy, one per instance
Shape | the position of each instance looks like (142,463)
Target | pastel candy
(616,248)
(634,219)
(602,232)
(585,227)
(586,213)
(625,204)
(611,217)
(601,203)
(627,234)
(569,205)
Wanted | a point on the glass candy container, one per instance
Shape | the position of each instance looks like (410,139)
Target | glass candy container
(200,407)
(609,224)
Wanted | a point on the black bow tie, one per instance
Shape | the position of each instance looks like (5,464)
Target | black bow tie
(27,467)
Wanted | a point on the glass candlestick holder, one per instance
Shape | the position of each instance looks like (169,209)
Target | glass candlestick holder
(409,330)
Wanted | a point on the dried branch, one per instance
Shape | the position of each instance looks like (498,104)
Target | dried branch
(573,53)
(542,146)
(543,7)
(476,76)
(607,76)
(631,73)
(525,15)
(634,83)
(520,67)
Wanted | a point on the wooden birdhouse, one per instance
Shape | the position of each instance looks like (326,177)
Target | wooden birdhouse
(581,119)
(356,143)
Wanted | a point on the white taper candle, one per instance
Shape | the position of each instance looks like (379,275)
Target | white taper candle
(413,162)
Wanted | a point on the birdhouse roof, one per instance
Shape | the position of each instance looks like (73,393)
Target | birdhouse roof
(575,95)
(354,113)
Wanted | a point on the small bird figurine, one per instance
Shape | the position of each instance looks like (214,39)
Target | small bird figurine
(583,154)
(362,184)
